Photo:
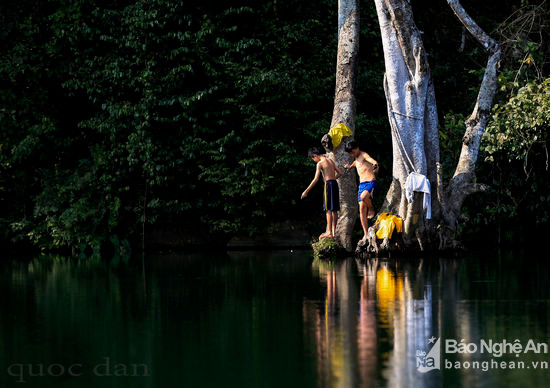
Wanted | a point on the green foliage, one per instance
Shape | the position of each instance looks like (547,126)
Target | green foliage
(160,112)
(515,148)
(513,157)
(520,124)
(130,116)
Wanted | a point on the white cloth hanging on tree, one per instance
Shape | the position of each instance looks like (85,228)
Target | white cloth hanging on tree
(418,182)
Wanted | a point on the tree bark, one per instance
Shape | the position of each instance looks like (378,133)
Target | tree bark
(412,112)
(344,112)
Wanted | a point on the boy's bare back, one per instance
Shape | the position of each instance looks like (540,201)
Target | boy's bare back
(328,169)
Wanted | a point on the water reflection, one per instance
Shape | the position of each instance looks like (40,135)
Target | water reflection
(270,319)
(374,315)
(366,332)
(333,323)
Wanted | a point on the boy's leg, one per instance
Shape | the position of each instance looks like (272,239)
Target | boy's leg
(334,222)
(363,208)
(370,206)
(329,223)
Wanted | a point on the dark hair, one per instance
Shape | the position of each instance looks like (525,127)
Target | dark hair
(326,141)
(351,146)
(313,151)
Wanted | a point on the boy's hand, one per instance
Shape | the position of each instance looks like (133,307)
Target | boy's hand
(347,166)
(304,194)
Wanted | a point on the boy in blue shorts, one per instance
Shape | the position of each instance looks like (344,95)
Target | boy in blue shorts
(366,167)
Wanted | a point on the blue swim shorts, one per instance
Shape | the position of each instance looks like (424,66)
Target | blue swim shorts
(331,200)
(369,186)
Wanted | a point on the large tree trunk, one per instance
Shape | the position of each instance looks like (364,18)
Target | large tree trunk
(412,114)
(344,112)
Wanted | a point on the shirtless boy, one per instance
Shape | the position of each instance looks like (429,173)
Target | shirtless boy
(331,203)
(366,168)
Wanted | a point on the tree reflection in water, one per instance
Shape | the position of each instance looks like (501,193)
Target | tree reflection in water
(269,318)
(375,315)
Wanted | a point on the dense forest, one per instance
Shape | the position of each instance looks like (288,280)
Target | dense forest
(121,118)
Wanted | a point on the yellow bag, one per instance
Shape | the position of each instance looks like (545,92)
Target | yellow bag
(387,224)
(337,132)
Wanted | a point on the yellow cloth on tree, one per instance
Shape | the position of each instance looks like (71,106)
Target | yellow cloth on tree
(337,132)
(387,224)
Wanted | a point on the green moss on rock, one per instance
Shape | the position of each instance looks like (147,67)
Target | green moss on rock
(327,248)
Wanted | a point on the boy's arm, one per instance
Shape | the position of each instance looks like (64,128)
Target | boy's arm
(313,182)
(338,171)
(350,166)
(369,159)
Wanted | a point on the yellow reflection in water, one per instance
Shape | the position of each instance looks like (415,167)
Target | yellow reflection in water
(365,328)
(388,290)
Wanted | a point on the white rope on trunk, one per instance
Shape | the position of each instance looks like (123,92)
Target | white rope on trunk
(394,127)
(398,136)
(410,117)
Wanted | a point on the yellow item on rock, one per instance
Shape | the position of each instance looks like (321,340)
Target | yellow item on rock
(337,132)
(387,224)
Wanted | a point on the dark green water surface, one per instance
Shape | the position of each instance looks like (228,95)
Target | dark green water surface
(269,319)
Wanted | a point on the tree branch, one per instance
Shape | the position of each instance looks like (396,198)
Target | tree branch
(472,27)
(461,183)
(488,86)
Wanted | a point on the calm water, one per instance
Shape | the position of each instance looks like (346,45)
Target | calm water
(266,319)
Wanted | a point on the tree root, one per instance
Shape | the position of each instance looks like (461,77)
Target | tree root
(372,247)
(432,239)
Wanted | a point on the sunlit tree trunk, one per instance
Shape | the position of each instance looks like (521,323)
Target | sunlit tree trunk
(344,112)
(412,114)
